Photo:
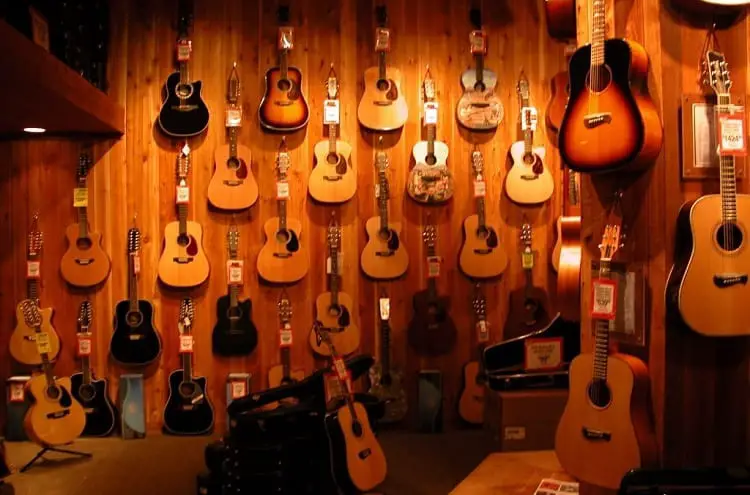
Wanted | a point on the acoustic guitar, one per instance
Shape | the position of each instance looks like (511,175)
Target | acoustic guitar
(432,331)
(135,340)
(284,374)
(471,400)
(566,255)
(609,97)
(283,107)
(183,263)
(561,18)
(233,186)
(384,257)
(334,310)
(183,112)
(605,430)
(481,255)
(334,179)
(714,7)
(283,259)
(528,182)
(383,106)
(707,287)
(235,333)
(558,100)
(84,264)
(23,340)
(55,417)
(188,410)
(93,394)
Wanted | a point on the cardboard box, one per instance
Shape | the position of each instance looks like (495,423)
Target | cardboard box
(524,419)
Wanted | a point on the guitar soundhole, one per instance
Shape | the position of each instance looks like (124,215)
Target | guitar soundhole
(385,234)
(134,318)
(284,84)
(332,158)
(529,158)
(188,390)
(53,392)
(383,85)
(282,236)
(483,233)
(601,80)
(430,159)
(234,313)
(183,240)
(334,310)
(599,393)
(357,428)
(729,236)
(184,91)
(479,86)
(83,243)
(87,392)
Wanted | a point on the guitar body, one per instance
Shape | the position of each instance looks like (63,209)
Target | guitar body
(567,256)
(471,400)
(276,376)
(623,109)
(557,102)
(528,183)
(430,183)
(332,182)
(84,264)
(23,346)
(53,420)
(714,7)
(626,419)
(282,259)
(561,18)
(283,107)
(98,407)
(481,255)
(389,388)
(431,331)
(384,257)
(383,106)
(527,312)
(233,186)
(345,336)
(183,117)
(235,333)
(188,410)
(135,341)
(183,262)
(479,109)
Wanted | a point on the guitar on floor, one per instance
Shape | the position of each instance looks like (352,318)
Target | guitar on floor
(54,417)
(183,113)
(471,400)
(188,410)
(23,340)
(481,255)
(235,333)
(93,394)
(183,263)
(566,255)
(605,430)
(84,264)
(284,374)
(135,340)
(609,97)
(283,107)
(384,257)
(383,106)
(334,179)
(283,259)
(334,310)
(233,186)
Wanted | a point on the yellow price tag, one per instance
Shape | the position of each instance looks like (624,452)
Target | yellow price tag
(42,343)
(527,260)
(81,197)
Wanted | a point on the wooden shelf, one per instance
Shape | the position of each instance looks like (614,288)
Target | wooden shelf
(38,90)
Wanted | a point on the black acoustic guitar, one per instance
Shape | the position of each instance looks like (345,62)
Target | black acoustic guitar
(188,410)
(183,113)
(135,341)
(92,394)
(234,333)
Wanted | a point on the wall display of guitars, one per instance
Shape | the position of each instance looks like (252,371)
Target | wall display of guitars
(471,400)
(566,255)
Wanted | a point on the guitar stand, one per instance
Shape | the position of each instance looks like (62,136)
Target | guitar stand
(39,455)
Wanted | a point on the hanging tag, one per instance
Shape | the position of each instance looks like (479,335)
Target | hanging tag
(377,191)
(339,261)
(84,345)
(483,331)
(331,112)
(478,42)
(33,269)
(186,344)
(334,388)
(433,266)
(430,112)
(382,39)
(282,190)
(42,343)
(184,48)
(385,308)
(136,263)
(603,299)
(233,116)
(234,272)
(16,392)
(527,259)
(480,188)
(731,130)
(285,335)
(81,197)
(528,118)
(239,389)
(183,195)
(286,38)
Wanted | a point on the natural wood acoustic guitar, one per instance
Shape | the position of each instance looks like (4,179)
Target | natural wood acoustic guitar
(561,18)
(566,255)
(471,400)
(284,373)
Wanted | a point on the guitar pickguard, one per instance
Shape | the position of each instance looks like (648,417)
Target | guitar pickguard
(430,183)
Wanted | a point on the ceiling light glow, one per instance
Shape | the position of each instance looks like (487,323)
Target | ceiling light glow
(35,130)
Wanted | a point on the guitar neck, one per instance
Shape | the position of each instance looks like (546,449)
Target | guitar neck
(286,363)
(334,276)
(233,142)
(187,366)
(32,289)
(281,205)
(83,222)
(383,201)
(132,283)
(481,212)
(46,364)
(332,135)
(381,65)
(182,212)
(431,131)
(283,64)
(601,334)
(728,179)
(598,33)
(184,69)
(385,346)
(479,60)
(86,369)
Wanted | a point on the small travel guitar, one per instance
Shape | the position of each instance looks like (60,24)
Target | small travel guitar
(283,107)
(431,330)
(233,186)
(235,333)
(23,340)
(528,305)
(481,255)
(605,430)
(183,113)
(334,179)
(135,340)
(91,393)
(384,257)
(383,106)
(430,180)
(183,263)
(55,417)
(334,310)
(471,400)
(561,18)
(708,286)
(188,410)
(609,103)
(386,382)
(282,259)
(528,182)
(283,374)
(566,255)
(84,264)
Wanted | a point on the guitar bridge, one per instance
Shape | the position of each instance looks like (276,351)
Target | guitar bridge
(58,414)
(84,261)
(385,103)
(283,103)
(593,120)
(596,435)
(135,336)
(182,260)
(364,454)
(332,178)
(384,254)
(233,183)
(729,280)
(282,255)
(483,251)
(184,108)
(529,177)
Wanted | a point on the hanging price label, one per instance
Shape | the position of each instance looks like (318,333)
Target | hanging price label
(433,266)
(282,190)
(184,48)
(183,195)
(603,299)
(334,387)
(483,331)
(233,117)
(239,389)
(377,191)
(527,259)
(331,112)
(339,263)
(234,272)
(385,308)
(81,197)
(731,130)
(136,263)
(382,40)
(42,343)
(84,345)
(480,188)
(186,344)
(528,119)
(16,392)
(285,335)
(33,269)
(478,42)
(430,112)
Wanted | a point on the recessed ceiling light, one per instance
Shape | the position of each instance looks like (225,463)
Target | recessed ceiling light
(35,130)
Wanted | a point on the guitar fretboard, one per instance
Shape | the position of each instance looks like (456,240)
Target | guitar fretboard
(728,179)
(598,32)
(385,346)
(601,334)
(132,283)
(383,200)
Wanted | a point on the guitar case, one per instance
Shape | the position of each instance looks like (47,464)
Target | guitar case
(716,481)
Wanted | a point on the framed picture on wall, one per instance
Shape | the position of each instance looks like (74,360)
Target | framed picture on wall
(629,326)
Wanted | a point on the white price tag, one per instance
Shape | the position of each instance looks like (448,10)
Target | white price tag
(80,197)
(340,262)
(528,119)
(331,112)
(480,188)
(377,191)
(731,129)
(184,47)
(282,190)
(233,117)
(385,308)
(42,343)
(433,266)
(483,331)
(84,345)
(186,344)
(183,195)
(16,392)
(136,263)
(603,299)
(285,335)
(239,389)
(33,269)
(234,272)
(430,112)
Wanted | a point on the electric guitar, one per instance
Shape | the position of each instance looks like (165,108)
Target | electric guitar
(233,186)
(481,255)
(561,18)
(528,182)
(183,263)
(188,410)
(334,179)
(183,113)
(283,374)
(84,264)
(384,257)
(566,255)
(283,259)
(93,394)
(471,400)
(234,333)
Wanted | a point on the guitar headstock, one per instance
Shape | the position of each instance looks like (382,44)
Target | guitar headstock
(31,315)
(186,314)
(522,89)
(382,33)
(82,170)
(233,86)
(134,240)
(285,39)
(285,307)
(611,242)
(85,316)
(381,157)
(183,164)
(35,238)
(185,18)
(332,85)
(718,72)
(428,85)
(526,236)
(334,235)
(479,303)
(429,236)
(283,161)
(477,162)
(233,240)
